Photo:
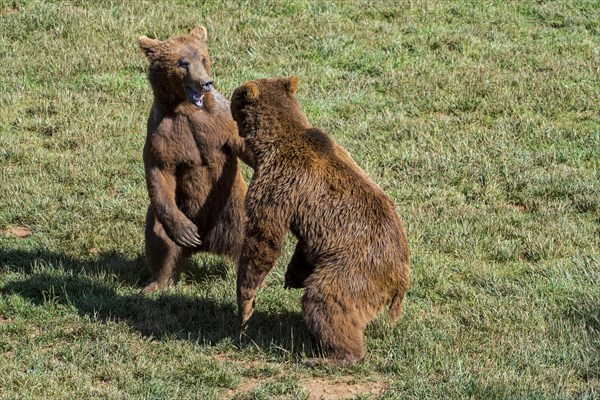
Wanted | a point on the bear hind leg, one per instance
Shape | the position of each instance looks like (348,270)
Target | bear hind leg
(162,255)
(337,331)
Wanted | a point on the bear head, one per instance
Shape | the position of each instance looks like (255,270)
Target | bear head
(268,107)
(179,67)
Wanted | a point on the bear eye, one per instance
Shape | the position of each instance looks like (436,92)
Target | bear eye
(183,64)
(204,61)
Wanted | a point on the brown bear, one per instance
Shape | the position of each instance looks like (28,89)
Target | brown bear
(193,178)
(352,256)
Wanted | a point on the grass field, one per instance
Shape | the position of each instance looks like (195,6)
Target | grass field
(480,119)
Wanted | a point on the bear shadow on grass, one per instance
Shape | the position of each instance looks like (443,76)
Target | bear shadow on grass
(165,315)
(128,271)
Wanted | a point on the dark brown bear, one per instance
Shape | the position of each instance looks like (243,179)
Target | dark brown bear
(194,182)
(352,257)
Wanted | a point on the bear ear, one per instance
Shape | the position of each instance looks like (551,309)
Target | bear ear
(250,91)
(291,84)
(148,46)
(200,32)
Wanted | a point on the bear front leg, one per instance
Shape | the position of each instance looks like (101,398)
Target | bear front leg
(267,223)
(161,188)
(298,269)
(265,232)
(258,258)
(239,148)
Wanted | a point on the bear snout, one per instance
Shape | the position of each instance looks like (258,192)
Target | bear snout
(207,87)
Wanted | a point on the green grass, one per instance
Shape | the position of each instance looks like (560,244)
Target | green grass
(480,119)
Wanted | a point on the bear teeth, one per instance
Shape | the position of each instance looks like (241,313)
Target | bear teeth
(194,96)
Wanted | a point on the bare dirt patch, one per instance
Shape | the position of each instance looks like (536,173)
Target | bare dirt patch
(7,11)
(244,387)
(317,388)
(517,207)
(18,231)
(323,389)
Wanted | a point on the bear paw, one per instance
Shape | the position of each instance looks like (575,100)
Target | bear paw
(245,311)
(186,235)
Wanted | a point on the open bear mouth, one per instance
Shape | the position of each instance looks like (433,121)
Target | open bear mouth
(194,96)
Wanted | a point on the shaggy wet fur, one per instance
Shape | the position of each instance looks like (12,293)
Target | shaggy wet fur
(352,256)
(194,182)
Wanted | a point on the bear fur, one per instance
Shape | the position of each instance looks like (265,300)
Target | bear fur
(193,178)
(352,256)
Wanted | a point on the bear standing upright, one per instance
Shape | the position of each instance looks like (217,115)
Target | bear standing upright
(193,178)
(352,256)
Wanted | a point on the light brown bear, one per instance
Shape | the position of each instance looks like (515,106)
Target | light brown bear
(352,256)
(192,174)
